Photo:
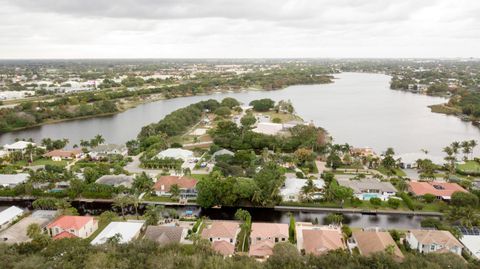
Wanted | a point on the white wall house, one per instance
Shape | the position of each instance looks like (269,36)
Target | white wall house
(427,241)
(79,226)
(9,215)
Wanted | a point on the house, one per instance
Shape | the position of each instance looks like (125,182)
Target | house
(104,150)
(175,153)
(165,235)
(19,146)
(17,233)
(59,154)
(9,215)
(222,235)
(426,241)
(370,242)
(471,240)
(442,190)
(12,180)
(367,188)
(78,226)
(116,180)
(362,152)
(318,240)
(125,231)
(264,236)
(268,128)
(186,185)
(292,188)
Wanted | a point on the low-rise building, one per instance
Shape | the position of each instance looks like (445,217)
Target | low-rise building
(72,226)
(367,188)
(186,185)
(19,146)
(426,241)
(12,180)
(116,180)
(105,150)
(318,240)
(60,154)
(442,190)
(264,236)
(292,188)
(222,235)
(123,231)
(9,215)
(165,235)
(370,242)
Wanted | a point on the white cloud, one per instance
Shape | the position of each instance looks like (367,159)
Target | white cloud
(248,28)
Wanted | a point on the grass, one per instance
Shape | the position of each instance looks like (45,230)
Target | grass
(444,109)
(284,117)
(199,176)
(43,162)
(398,172)
(469,166)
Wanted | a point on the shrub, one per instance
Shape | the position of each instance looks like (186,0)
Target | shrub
(375,201)
(407,200)
(277,120)
(299,174)
(429,198)
(393,203)
(464,199)
(355,202)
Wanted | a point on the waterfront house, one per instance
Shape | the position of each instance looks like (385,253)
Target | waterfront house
(116,180)
(59,154)
(471,240)
(318,240)
(367,188)
(264,236)
(19,146)
(370,242)
(442,190)
(426,241)
(175,153)
(72,226)
(165,235)
(9,215)
(186,185)
(12,180)
(292,188)
(105,150)
(123,231)
(222,235)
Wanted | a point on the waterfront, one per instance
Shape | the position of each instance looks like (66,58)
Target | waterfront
(358,108)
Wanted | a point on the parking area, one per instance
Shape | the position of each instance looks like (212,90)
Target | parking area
(17,233)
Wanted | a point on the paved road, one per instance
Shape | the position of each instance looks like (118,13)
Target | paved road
(134,167)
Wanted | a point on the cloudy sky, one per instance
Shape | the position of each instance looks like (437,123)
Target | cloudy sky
(238,28)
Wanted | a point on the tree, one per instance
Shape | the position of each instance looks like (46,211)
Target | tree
(223,111)
(463,199)
(334,161)
(230,102)
(285,255)
(175,191)
(375,201)
(262,105)
(303,155)
(292,236)
(393,203)
(107,216)
(152,214)
(122,201)
(335,219)
(143,183)
(246,226)
(34,230)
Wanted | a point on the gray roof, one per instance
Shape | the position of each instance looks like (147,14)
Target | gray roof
(164,234)
(362,185)
(13,179)
(116,180)
(109,148)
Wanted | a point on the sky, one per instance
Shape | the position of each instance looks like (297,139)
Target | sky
(239,29)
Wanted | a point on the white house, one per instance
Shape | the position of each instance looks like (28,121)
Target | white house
(427,241)
(19,146)
(367,188)
(72,226)
(126,232)
(472,244)
(175,153)
(9,215)
(12,180)
(105,150)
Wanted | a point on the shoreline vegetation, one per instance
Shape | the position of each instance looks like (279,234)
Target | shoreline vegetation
(111,101)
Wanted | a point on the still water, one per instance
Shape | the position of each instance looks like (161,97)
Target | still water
(358,108)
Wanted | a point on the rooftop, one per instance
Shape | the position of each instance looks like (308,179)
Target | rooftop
(365,184)
(443,189)
(225,229)
(9,214)
(70,222)
(13,179)
(272,230)
(165,182)
(63,153)
(223,247)
(116,180)
(444,238)
(370,242)
(320,241)
(164,234)
(126,230)
(176,153)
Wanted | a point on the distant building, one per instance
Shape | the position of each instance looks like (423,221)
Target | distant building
(175,153)
(12,180)
(102,151)
(367,188)
(186,185)
(9,215)
(427,241)
(59,154)
(126,232)
(442,190)
(116,180)
(72,226)
(19,146)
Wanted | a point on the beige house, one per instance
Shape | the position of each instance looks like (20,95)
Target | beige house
(72,226)
(264,236)
(426,241)
(370,242)
(222,235)
(318,240)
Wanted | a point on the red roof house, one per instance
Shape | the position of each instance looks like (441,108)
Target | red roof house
(60,154)
(186,185)
(442,190)
(79,226)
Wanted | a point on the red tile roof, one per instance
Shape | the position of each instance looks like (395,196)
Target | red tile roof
(63,153)
(443,189)
(223,247)
(224,229)
(64,234)
(70,222)
(168,181)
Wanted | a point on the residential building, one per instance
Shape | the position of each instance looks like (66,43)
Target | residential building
(367,188)
(124,231)
(165,235)
(442,190)
(186,185)
(292,188)
(12,180)
(78,226)
(426,241)
(175,153)
(370,242)
(116,180)
(104,150)
(222,235)
(318,240)
(59,154)
(19,146)
(9,215)
(264,236)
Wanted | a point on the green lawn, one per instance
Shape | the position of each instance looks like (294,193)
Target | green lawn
(469,166)
(43,162)
(398,171)
(284,117)
(199,176)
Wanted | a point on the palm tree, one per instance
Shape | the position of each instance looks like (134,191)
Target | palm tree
(451,160)
(466,149)
(99,139)
(135,202)
(175,190)
(30,150)
(473,144)
(122,201)
(308,189)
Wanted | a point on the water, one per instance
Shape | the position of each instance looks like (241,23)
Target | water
(358,108)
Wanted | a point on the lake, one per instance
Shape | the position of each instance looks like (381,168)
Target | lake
(358,108)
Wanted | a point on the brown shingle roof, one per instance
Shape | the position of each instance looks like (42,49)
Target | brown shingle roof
(222,229)
(168,181)
(164,234)
(320,241)
(428,237)
(369,242)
